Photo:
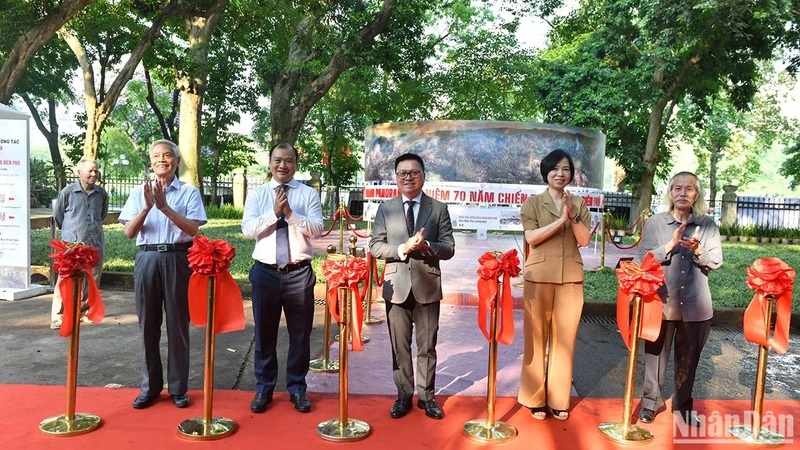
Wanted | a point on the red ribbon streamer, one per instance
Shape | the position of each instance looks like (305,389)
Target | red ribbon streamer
(493,266)
(644,281)
(74,261)
(771,278)
(209,258)
(346,271)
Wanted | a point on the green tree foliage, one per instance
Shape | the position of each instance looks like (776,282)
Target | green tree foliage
(635,61)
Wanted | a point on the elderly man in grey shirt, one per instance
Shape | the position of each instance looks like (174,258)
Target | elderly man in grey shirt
(686,242)
(79,212)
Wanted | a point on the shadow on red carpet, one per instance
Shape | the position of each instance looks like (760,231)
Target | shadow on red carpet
(281,427)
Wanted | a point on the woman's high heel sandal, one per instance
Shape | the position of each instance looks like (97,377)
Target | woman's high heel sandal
(539,413)
(560,414)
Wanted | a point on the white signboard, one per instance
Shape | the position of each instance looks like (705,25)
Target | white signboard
(15,224)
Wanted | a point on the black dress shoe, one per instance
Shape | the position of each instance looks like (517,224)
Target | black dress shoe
(432,410)
(260,402)
(647,415)
(143,401)
(690,419)
(400,408)
(181,401)
(301,402)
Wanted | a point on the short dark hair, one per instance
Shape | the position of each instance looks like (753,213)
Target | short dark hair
(285,146)
(549,163)
(406,157)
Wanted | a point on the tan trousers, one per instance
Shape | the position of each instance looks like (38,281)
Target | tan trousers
(552,310)
(56,309)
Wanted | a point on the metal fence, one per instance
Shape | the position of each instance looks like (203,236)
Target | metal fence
(768,211)
(775,212)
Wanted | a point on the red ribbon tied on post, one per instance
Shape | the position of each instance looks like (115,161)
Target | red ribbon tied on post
(770,278)
(209,258)
(73,261)
(346,271)
(494,266)
(644,280)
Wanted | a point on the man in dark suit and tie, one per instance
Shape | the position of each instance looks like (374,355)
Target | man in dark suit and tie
(412,233)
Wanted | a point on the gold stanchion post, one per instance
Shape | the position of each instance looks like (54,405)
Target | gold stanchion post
(489,431)
(755,434)
(341,228)
(208,428)
(325,364)
(343,428)
(368,319)
(624,432)
(72,424)
(603,225)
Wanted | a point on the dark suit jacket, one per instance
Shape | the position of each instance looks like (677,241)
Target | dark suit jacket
(418,272)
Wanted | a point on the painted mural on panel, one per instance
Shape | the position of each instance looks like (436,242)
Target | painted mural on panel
(483,151)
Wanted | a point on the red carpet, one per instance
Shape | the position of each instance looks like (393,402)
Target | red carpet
(22,407)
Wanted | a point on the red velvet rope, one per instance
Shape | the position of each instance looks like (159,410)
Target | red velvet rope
(212,258)
(74,261)
(773,280)
(644,281)
(379,279)
(618,227)
(495,266)
(349,217)
(346,271)
(333,224)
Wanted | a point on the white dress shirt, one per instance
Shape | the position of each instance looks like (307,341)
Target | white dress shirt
(259,221)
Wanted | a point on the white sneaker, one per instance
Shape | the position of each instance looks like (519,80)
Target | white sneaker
(55,325)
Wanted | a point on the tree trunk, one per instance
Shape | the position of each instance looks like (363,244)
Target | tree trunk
(29,43)
(712,175)
(98,111)
(651,157)
(193,87)
(51,134)
(289,108)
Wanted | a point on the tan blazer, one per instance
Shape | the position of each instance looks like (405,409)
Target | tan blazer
(557,259)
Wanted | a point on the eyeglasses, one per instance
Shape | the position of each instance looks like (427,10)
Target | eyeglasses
(409,174)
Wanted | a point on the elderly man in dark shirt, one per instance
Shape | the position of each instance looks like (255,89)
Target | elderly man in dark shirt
(79,212)
(686,242)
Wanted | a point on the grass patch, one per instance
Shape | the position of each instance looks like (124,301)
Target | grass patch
(727,283)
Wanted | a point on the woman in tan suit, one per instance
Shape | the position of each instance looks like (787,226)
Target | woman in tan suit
(556,223)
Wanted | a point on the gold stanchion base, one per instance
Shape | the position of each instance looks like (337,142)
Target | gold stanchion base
(636,435)
(61,426)
(373,321)
(320,365)
(199,429)
(765,437)
(333,430)
(364,338)
(479,430)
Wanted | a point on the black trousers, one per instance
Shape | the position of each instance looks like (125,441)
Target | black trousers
(689,339)
(293,293)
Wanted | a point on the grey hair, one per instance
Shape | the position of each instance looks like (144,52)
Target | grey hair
(173,146)
(86,160)
(700,207)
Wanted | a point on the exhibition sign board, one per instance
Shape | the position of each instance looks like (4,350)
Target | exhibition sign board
(15,223)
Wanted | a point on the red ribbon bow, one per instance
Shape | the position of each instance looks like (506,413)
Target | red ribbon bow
(212,258)
(74,261)
(493,266)
(644,281)
(346,271)
(771,278)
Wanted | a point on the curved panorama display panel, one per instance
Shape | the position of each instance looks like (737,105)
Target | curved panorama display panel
(483,151)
